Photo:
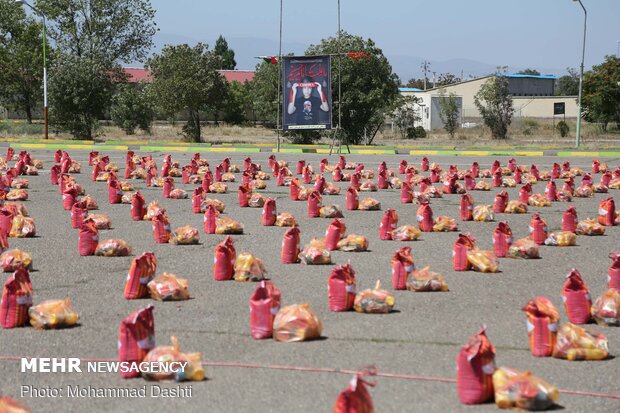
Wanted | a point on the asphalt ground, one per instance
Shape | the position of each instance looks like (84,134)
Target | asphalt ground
(421,338)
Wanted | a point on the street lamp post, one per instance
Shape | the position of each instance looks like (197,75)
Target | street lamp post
(583,54)
(45,118)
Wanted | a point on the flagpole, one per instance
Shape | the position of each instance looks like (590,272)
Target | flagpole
(279,78)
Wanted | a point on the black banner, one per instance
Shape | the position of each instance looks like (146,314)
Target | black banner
(307,102)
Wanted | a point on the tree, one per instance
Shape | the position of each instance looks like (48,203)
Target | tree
(495,105)
(601,93)
(186,78)
(529,71)
(368,85)
(415,83)
(568,85)
(238,102)
(445,79)
(264,91)
(21,59)
(132,108)
(226,55)
(405,115)
(93,37)
(449,111)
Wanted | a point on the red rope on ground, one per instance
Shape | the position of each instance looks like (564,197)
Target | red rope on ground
(338,371)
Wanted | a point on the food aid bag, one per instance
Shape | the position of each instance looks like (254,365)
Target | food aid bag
(518,176)
(475,365)
(224,261)
(269,212)
(512,165)
(78,214)
(538,229)
(319,185)
(16,300)
(264,305)
(569,185)
(244,194)
(402,266)
(136,337)
(596,164)
(389,222)
(524,193)
(6,220)
(114,192)
(551,192)
(300,166)
(210,219)
(355,398)
(54,174)
(576,297)
(197,198)
(424,164)
(521,390)
(463,244)
(206,182)
(64,165)
(467,207)
(290,246)
(275,169)
(382,182)
(449,185)
(502,239)
(542,326)
(341,288)
(569,219)
(555,171)
(337,174)
(93,177)
(534,171)
(88,238)
(606,178)
(497,178)
(91,157)
(342,161)
(138,207)
(470,182)
(335,232)
(501,201)
(161,227)
(406,197)
(607,212)
(280,177)
(314,203)
(218,173)
(355,180)
(613,273)
(306,176)
(246,177)
(424,216)
(141,272)
(586,180)
(352,199)
(402,167)
(168,187)
(293,190)
(69,197)
(495,166)
(434,176)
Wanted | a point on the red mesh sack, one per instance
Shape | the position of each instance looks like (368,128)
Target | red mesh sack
(270,212)
(551,192)
(78,214)
(524,193)
(88,238)
(293,190)
(555,171)
(224,261)
(168,186)
(467,207)
(576,297)
(538,229)
(300,166)
(136,337)
(314,203)
(402,266)
(6,220)
(319,185)
(607,212)
(497,178)
(389,222)
(141,272)
(54,174)
(462,245)
(569,219)
(290,246)
(307,176)
(382,182)
(542,326)
(606,178)
(264,305)
(424,217)
(161,227)
(210,219)
(355,398)
(518,177)
(69,197)
(244,194)
(197,198)
(502,239)
(352,199)
(16,300)
(335,232)
(355,181)
(341,288)
(596,164)
(406,197)
(138,207)
(114,192)
(613,273)
(337,174)
(501,201)
(475,365)
(206,182)
(424,164)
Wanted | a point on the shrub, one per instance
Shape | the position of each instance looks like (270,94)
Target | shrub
(563,128)
(132,109)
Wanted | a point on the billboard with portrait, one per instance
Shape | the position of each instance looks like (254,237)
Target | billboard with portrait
(307,102)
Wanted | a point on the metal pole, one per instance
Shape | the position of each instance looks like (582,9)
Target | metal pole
(339,85)
(279,78)
(618,52)
(583,54)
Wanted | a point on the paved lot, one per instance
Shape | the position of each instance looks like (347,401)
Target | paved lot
(422,338)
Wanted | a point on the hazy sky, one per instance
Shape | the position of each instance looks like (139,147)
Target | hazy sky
(523,33)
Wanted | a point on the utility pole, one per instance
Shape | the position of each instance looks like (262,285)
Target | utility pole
(434,83)
(426,65)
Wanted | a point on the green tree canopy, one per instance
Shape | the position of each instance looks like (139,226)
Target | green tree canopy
(226,54)
(529,71)
(495,105)
(568,85)
(601,92)
(186,78)
(21,59)
(264,93)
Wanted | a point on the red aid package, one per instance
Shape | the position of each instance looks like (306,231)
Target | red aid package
(300,166)
(16,300)
(269,212)
(290,246)
(335,232)
(136,337)
(264,305)
(467,207)
(475,365)
(569,219)
(168,186)
(607,212)
(210,223)
(161,227)
(114,192)
(341,288)
(224,261)
(402,266)
(355,398)
(502,239)
(352,199)
(138,207)
(197,198)
(319,185)
(613,274)
(501,201)
(78,214)
(542,326)
(424,217)
(69,197)
(524,193)
(576,297)
(88,238)
(314,204)
(406,197)
(463,244)
(142,271)
(293,190)
(551,192)
(389,222)
(538,229)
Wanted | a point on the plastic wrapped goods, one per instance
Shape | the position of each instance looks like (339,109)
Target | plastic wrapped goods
(330,211)
(406,233)
(102,221)
(284,219)
(249,268)
(113,248)
(353,242)
(515,389)
(53,314)
(369,204)
(445,224)
(225,225)
(589,227)
(516,207)
(296,323)
(14,259)
(194,371)
(168,287)
(185,235)
(523,248)
(375,301)
(606,308)
(561,239)
(577,343)
(22,227)
(426,280)
(482,261)
(483,213)
(315,253)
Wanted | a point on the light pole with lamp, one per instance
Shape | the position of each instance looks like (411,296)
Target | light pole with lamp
(37,11)
(583,54)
